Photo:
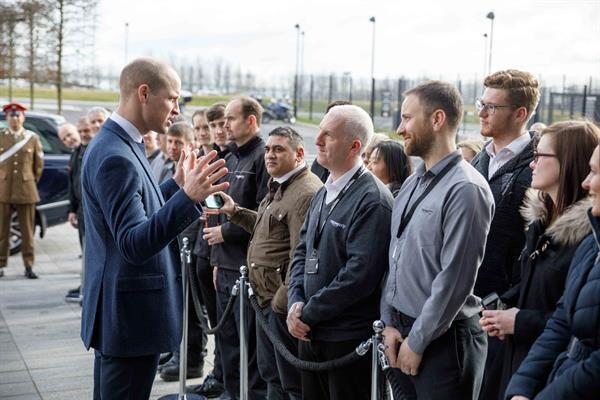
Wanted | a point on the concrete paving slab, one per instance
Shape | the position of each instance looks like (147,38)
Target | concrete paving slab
(19,388)
(14,377)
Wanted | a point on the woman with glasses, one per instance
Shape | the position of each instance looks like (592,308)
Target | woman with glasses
(564,363)
(390,164)
(555,210)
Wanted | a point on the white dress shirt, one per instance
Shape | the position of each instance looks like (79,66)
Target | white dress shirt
(506,154)
(335,187)
(128,127)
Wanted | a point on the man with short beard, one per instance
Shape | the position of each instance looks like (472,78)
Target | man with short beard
(75,216)
(440,223)
(248,186)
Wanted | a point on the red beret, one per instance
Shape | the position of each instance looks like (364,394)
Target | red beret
(14,107)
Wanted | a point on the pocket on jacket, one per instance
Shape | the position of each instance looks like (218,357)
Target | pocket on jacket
(141,283)
(278,228)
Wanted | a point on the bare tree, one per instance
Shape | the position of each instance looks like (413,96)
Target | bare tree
(71,19)
(33,12)
(227,78)
(9,18)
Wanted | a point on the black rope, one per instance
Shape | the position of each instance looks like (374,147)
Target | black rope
(198,304)
(343,361)
(397,389)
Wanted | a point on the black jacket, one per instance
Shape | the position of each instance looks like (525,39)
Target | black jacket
(506,237)
(248,180)
(564,362)
(342,298)
(544,264)
(75,205)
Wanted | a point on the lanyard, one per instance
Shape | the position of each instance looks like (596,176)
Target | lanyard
(406,217)
(320,227)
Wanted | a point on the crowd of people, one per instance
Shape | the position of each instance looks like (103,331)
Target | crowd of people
(481,257)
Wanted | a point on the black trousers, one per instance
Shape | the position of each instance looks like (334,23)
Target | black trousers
(288,374)
(124,378)
(204,273)
(197,326)
(229,342)
(452,365)
(267,365)
(350,382)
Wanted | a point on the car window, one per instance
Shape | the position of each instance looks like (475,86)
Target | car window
(51,144)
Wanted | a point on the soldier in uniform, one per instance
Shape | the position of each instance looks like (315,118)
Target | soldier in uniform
(21,162)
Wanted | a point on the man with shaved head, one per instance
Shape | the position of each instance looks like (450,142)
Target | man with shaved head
(133,300)
(68,134)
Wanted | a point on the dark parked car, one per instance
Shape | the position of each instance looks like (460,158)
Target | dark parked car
(54,184)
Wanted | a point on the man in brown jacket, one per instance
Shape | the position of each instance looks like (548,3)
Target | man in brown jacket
(21,163)
(275,230)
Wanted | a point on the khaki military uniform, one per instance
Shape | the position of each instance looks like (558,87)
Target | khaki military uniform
(19,174)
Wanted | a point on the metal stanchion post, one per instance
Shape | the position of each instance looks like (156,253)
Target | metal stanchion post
(186,260)
(243,348)
(376,340)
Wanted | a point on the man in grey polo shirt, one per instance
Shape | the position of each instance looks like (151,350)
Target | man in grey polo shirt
(440,223)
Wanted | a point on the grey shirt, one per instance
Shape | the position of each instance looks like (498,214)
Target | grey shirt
(433,265)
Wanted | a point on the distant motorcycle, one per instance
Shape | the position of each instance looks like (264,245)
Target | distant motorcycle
(279,110)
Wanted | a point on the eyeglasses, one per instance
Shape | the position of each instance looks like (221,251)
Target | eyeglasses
(490,108)
(15,113)
(536,156)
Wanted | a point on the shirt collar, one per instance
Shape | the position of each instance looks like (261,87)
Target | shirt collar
(333,188)
(128,127)
(287,176)
(439,166)
(513,148)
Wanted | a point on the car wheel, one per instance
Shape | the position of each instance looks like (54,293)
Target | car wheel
(14,239)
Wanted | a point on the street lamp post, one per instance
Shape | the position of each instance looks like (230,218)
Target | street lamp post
(372,19)
(297,26)
(485,54)
(126,42)
(301,77)
(491,17)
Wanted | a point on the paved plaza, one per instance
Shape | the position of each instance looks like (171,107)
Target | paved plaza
(41,354)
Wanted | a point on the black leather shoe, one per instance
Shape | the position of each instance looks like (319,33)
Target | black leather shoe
(170,371)
(29,274)
(1,272)
(211,387)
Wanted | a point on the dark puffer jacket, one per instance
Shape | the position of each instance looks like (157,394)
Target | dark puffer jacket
(545,261)
(506,237)
(564,363)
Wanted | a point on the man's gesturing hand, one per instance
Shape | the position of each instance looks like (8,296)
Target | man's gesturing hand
(296,327)
(201,176)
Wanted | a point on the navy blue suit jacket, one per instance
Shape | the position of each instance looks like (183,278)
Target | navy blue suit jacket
(132,290)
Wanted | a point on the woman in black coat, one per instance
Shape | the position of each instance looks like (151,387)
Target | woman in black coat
(564,362)
(556,212)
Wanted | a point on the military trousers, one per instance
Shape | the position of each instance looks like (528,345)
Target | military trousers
(26,218)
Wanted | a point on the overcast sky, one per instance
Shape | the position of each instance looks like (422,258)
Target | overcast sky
(437,38)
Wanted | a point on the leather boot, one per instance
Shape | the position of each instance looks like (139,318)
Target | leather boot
(170,370)
(29,274)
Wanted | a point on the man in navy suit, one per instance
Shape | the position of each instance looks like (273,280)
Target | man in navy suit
(132,308)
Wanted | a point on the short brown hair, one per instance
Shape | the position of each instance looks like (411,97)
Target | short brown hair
(215,112)
(201,112)
(438,95)
(573,143)
(182,130)
(250,107)
(523,88)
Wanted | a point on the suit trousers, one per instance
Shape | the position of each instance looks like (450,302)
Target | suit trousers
(26,217)
(228,340)
(452,365)
(124,378)
(350,382)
